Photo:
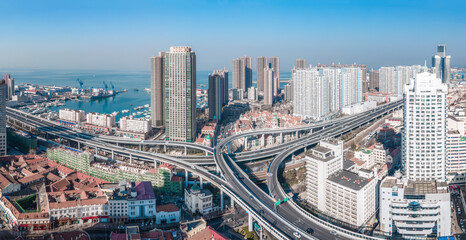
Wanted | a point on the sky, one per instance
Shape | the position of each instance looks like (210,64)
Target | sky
(122,35)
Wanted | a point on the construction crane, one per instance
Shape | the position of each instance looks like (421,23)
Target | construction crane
(105,86)
(80,83)
(113,88)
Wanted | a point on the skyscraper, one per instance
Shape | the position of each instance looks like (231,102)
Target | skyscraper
(10,86)
(441,63)
(269,76)
(180,94)
(217,97)
(300,63)
(424,128)
(156,87)
(394,79)
(2,118)
(242,73)
(373,79)
(263,63)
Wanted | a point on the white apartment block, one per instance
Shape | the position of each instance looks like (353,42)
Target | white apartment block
(253,93)
(319,91)
(198,200)
(101,120)
(424,128)
(3,142)
(324,160)
(414,208)
(70,115)
(350,197)
(456,144)
(394,79)
(135,125)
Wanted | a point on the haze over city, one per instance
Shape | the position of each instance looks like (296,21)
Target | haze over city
(118,35)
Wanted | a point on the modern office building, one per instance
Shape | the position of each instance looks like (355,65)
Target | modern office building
(157,90)
(269,86)
(3,142)
(217,93)
(242,73)
(10,86)
(414,209)
(300,63)
(180,94)
(264,63)
(319,91)
(373,79)
(441,63)
(424,128)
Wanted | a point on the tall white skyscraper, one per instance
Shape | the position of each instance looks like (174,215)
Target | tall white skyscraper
(3,143)
(424,128)
(319,91)
(441,63)
(269,86)
(180,94)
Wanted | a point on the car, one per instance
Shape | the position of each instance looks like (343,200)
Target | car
(193,167)
(333,232)
(297,235)
(310,230)
(251,197)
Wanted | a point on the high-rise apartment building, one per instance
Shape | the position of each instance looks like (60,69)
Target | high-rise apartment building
(394,79)
(217,93)
(269,86)
(300,63)
(289,92)
(456,143)
(242,73)
(262,64)
(180,94)
(157,90)
(318,91)
(441,63)
(3,143)
(373,79)
(10,86)
(424,128)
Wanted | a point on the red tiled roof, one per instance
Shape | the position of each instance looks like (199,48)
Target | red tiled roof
(31,178)
(168,208)
(207,234)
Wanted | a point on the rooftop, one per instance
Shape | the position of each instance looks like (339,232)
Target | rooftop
(349,180)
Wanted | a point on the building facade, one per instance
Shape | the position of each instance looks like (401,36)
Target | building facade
(157,90)
(441,63)
(217,93)
(424,128)
(135,125)
(3,143)
(269,86)
(198,200)
(180,94)
(242,73)
(74,116)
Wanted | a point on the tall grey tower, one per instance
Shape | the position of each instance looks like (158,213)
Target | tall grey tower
(269,77)
(156,89)
(262,64)
(2,117)
(441,63)
(179,93)
(242,73)
(10,86)
(217,96)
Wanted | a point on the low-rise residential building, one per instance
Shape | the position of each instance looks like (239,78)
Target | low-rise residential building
(100,122)
(134,128)
(198,200)
(414,208)
(168,213)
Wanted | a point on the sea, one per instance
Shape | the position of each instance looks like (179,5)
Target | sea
(129,80)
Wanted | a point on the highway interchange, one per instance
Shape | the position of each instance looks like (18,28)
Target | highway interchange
(283,221)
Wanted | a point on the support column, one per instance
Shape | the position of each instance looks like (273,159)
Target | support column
(201,183)
(263,140)
(96,151)
(140,148)
(130,158)
(164,148)
(232,203)
(281,137)
(155,164)
(79,145)
(261,235)
(59,140)
(186,178)
(113,155)
(117,144)
(250,222)
(185,151)
(206,153)
(221,200)
(245,143)
(228,149)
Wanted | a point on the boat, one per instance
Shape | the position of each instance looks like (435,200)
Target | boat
(147,89)
(147,105)
(115,113)
(125,111)
(136,89)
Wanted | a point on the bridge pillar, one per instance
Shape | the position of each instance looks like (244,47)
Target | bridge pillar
(221,200)
(140,148)
(79,145)
(250,222)
(281,137)
(228,149)
(206,153)
(59,140)
(263,140)
(201,182)
(185,151)
(245,143)
(96,151)
(232,204)
(130,158)
(186,178)
(155,164)
(113,155)
(297,134)
(165,148)
(260,234)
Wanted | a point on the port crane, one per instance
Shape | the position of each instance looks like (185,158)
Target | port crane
(105,86)
(113,88)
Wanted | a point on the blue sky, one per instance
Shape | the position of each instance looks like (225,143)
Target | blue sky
(124,34)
